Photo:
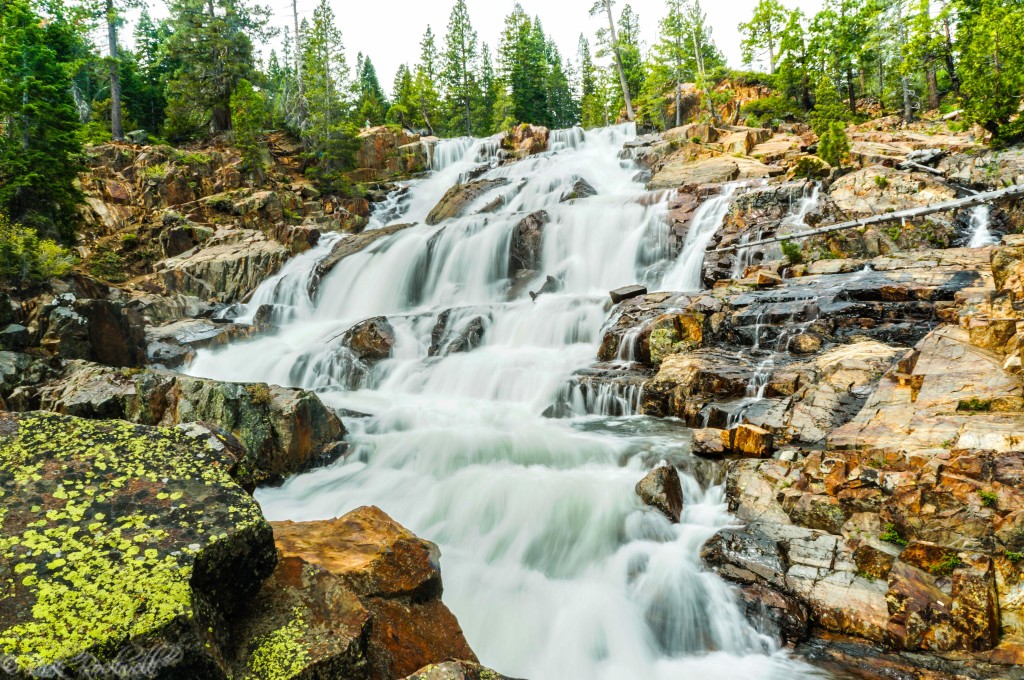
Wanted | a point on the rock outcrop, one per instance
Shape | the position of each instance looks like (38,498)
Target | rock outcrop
(283,430)
(118,542)
(662,490)
(395,577)
(461,198)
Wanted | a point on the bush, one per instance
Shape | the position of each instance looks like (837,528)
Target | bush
(107,265)
(833,146)
(946,566)
(792,251)
(25,258)
(989,499)
(248,113)
(891,535)
(773,110)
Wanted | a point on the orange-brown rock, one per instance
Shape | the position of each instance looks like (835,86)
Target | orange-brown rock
(396,577)
(526,140)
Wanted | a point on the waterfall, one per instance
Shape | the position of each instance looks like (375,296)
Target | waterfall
(552,564)
(981,235)
(688,272)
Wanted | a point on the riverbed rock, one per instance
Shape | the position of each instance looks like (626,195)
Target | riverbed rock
(627,293)
(451,336)
(372,340)
(120,540)
(580,189)
(387,153)
(456,670)
(284,430)
(751,441)
(396,577)
(461,197)
(526,140)
(662,490)
(349,246)
(716,170)
(527,241)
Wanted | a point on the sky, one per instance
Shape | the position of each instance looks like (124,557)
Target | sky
(390,32)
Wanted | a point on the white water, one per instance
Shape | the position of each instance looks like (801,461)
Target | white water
(687,274)
(553,566)
(981,234)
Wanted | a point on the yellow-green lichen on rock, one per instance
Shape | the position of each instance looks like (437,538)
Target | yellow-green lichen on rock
(118,536)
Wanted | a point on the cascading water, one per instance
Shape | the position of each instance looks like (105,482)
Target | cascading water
(981,234)
(687,273)
(553,566)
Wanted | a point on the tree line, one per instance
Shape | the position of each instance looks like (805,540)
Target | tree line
(198,74)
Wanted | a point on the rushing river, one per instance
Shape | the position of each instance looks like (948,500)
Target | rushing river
(553,566)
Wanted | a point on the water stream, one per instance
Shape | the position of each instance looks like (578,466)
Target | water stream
(552,564)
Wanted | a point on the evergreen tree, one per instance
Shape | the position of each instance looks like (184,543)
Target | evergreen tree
(427,97)
(249,113)
(483,110)
(40,154)
(630,50)
(608,40)
(762,33)
(112,13)
(154,67)
(212,40)
(371,103)
(591,101)
(991,41)
(522,69)
(828,120)
(403,98)
(458,66)
(328,134)
(671,52)
(794,66)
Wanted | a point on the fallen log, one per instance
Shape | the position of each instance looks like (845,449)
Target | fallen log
(969,202)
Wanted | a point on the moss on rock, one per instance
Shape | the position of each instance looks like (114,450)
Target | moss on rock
(119,536)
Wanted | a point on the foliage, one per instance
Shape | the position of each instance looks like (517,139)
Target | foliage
(773,110)
(458,69)
(40,147)
(107,265)
(891,535)
(212,41)
(248,112)
(1014,557)
(989,499)
(761,35)
(25,258)
(792,251)
(991,42)
(946,565)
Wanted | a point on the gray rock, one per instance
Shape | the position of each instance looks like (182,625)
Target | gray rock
(14,337)
(627,293)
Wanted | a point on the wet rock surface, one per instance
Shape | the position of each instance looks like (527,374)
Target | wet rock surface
(661,489)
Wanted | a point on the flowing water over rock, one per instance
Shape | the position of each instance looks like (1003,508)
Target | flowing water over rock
(554,567)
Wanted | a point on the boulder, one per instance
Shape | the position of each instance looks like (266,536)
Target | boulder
(372,340)
(662,490)
(526,140)
(456,670)
(14,337)
(717,170)
(627,293)
(580,189)
(121,542)
(527,243)
(459,335)
(751,441)
(710,443)
(396,577)
(284,430)
(105,331)
(230,266)
(461,197)
(387,153)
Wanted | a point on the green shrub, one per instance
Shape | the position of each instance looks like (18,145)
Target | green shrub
(975,405)
(773,110)
(946,566)
(1014,557)
(107,265)
(130,240)
(793,252)
(881,181)
(25,258)
(248,113)
(891,535)
(154,172)
(989,499)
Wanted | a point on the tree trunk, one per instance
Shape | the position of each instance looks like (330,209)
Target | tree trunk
(933,88)
(618,62)
(298,48)
(950,64)
(908,104)
(221,120)
(116,126)
(771,57)
(851,92)
(679,103)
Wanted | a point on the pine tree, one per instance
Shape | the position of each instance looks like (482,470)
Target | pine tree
(40,155)
(112,15)
(458,66)
(327,132)
(608,39)
(249,114)
(403,98)
(991,40)
(761,35)
(630,50)
(371,103)
(212,40)
(483,110)
(150,104)
(671,52)
(828,120)
(428,100)
(591,102)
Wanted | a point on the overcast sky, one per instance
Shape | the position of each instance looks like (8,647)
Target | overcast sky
(389,31)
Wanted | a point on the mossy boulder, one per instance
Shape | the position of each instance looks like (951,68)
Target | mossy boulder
(284,430)
(120,542)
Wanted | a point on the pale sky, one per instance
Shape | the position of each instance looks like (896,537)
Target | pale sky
(390,31)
